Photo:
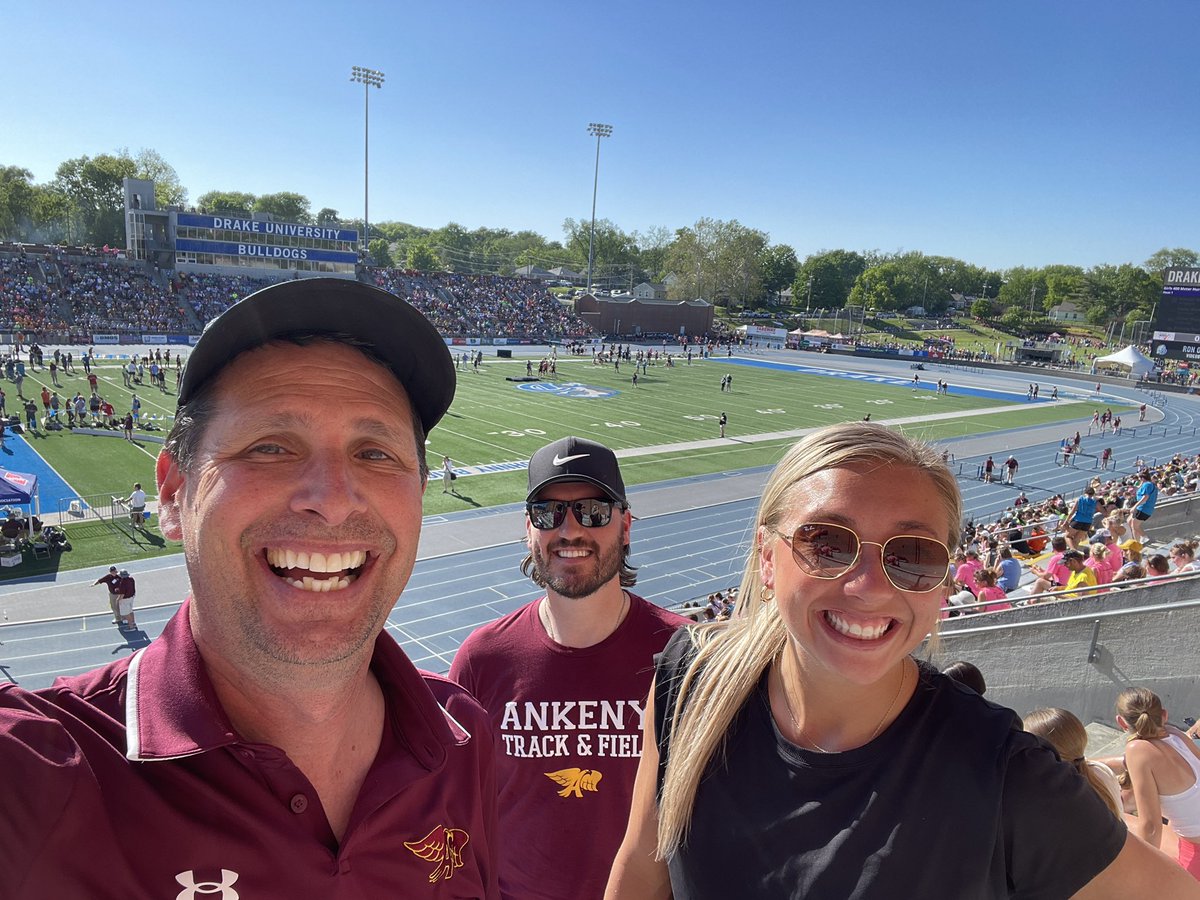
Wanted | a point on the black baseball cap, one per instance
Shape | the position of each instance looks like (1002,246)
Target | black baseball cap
(576,459)
(395,331)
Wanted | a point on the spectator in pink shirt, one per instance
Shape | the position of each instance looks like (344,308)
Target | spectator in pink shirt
(990,592)
(1097,561)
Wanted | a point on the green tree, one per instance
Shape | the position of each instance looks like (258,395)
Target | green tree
(716,260)
(421,256)
(17,197)
(328,217)
(286,206)
(613,250)
(833,273)
(1023,289)
(982,309)
(1168,258)
(94,188)
(380,253)
(230,203)
(168,189)
(887,286)
(777,265)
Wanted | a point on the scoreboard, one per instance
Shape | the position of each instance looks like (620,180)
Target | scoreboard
(1177,321)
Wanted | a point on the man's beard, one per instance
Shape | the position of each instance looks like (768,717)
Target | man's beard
(605,565)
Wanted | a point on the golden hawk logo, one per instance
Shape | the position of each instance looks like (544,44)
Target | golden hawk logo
(442,846)
(575,781)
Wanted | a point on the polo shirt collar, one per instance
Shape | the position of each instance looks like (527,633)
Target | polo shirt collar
(172,709)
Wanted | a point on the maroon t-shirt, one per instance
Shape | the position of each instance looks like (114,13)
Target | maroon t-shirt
(568,724)
(131,782)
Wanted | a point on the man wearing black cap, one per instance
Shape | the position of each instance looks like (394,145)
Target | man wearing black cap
(565,679)
(272,742)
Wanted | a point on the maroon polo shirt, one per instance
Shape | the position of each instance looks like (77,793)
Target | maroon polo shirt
(130,781)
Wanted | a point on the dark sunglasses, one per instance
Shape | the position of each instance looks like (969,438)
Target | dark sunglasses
(546,515)
(911,562)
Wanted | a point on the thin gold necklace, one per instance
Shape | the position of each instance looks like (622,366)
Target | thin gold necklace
(874,734)
(548,623)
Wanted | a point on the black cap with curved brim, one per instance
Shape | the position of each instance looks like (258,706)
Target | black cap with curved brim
(576,459)
(396,332)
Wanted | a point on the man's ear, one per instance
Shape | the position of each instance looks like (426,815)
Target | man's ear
(171,485)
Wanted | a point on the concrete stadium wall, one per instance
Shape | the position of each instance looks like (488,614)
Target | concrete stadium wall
(1080,654)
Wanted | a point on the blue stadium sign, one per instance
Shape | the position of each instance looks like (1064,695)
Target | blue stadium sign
(262,251)
(255,227)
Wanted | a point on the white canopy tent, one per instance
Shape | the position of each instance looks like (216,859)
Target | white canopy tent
(1130,358)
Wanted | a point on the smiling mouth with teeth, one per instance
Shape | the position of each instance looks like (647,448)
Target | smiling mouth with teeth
(317,572)
(856,631)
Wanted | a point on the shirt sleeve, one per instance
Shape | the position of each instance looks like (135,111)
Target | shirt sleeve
(1058,833)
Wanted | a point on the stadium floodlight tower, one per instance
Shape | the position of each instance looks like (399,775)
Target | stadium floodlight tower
(368,78)
(599,131)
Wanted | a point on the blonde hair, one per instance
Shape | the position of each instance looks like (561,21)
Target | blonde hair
(1066,734)
(1143,712)
(730,657)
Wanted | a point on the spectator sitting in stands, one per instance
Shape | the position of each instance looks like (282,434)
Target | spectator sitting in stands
(1081,576)
(990,592)
(1010,571)
(1183,555)
(1157,566)
(1066,734)
(1056,573)
(1097,561)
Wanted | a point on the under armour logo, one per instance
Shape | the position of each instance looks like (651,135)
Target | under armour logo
(193,889)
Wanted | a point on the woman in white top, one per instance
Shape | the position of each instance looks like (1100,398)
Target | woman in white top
(1183,555)
(1164,772)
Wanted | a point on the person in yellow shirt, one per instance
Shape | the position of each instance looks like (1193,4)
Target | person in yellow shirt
(1081,575)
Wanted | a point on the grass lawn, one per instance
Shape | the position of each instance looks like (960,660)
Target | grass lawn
(494,422)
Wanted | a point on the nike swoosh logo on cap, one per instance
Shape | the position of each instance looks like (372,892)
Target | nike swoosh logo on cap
(563,460)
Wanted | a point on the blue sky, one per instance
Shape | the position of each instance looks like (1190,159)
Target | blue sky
(1010,133)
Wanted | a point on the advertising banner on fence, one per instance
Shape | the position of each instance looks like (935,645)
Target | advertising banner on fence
(106,339)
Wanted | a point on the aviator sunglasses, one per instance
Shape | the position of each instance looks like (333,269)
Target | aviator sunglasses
(911,562)
(546,515)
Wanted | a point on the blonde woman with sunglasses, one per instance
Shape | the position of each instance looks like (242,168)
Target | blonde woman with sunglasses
(798,750)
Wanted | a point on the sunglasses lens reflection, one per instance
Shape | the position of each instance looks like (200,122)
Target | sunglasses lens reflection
(911,562)
(590,513)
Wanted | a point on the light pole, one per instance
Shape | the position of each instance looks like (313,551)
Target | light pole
(368,78)
(598,130)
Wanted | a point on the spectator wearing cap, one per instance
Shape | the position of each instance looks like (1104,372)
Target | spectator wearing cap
(273,701)
(585,648)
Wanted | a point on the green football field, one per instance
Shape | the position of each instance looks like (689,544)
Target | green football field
(495,422)
(667,425)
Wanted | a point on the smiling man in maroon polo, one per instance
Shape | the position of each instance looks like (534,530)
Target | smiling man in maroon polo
(273,742)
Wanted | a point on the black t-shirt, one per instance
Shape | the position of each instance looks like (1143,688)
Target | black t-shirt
(952,802)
